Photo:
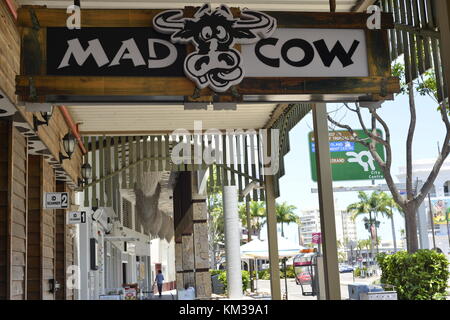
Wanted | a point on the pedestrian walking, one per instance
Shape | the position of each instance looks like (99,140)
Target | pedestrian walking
(159,281)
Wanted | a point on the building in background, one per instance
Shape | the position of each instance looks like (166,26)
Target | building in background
(310,223)
(440,204)
(116,253)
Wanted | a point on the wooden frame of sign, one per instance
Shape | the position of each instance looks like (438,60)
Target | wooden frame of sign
(35,85)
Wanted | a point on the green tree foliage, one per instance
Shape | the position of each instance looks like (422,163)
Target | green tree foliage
(387,207)
(285,214)
(422,275)
(367,205)
(265,274)
(216,224)
(376,203)
(426,86)
(358,271)
(257,215)
(289,272)
(245,279)
(398,70)
(215,211)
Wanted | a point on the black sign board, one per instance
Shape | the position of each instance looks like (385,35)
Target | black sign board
(136,52)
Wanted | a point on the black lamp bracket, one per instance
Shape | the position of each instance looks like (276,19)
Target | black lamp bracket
(37,123)
(63,157)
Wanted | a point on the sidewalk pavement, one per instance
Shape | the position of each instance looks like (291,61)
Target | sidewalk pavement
(166,295)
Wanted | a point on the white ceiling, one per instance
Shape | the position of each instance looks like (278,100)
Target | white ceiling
(279,5)
(141,119)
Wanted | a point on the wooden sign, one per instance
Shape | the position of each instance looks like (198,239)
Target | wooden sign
(181,56)
(125,52)
(308,53)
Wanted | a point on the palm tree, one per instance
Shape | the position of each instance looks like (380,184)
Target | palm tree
(387,206)
(285,214)
(363,244)
(359,247)
(366,205)
(257,216)
(299,229)
(368,245)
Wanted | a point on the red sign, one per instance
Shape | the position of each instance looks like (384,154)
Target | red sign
(317,238)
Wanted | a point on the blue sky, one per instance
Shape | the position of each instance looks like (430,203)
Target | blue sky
(296,184)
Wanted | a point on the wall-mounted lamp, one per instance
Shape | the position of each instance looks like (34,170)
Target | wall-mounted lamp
(53,285)
(69,146)
(86,174)
(109,224)
(97,214)
(94,208)
(250,187)
(45,115)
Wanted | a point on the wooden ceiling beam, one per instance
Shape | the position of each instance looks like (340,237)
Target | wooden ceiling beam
(143,18)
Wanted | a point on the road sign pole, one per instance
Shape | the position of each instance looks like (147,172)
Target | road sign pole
(326,203)
(272,235)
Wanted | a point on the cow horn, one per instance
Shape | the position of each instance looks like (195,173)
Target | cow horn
(226,11)
(205,8)
(257,21)
(169,21)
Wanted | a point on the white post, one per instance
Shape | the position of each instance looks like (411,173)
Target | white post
(149,267)
(256,274)
(232,242)
(84,292)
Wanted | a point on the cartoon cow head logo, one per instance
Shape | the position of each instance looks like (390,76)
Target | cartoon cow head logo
(214,32)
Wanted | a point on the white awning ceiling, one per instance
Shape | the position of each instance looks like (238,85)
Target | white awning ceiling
(279,5)
(148,119)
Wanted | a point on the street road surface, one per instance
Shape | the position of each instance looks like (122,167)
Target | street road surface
(295,291)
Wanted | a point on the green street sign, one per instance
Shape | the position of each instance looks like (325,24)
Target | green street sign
(350,160)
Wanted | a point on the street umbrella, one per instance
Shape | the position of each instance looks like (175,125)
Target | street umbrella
(253,249)
(260,250)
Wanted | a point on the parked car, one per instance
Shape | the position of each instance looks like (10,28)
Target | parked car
(345,269)
(303,278)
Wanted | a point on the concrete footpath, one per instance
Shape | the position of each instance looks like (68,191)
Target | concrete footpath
(166,295)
